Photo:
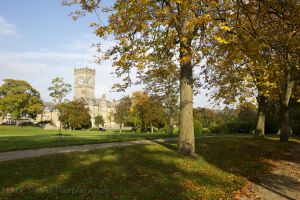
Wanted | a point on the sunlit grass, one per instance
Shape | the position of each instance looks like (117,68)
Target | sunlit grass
(17,138)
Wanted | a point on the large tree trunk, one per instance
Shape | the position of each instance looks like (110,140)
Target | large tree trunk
(170,125)
(186,133)
(285,99)
(260,125)
(285,124)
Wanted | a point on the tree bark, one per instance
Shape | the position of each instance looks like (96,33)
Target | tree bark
(285,99)
(170,125)
(152,129)
(186,134)
(260,125)
(285,124)
(120,128)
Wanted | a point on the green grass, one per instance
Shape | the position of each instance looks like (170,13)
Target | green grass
(18,138)
(154,171)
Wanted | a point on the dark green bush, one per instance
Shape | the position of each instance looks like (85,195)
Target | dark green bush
(241,126)
(234,127)
(222,128)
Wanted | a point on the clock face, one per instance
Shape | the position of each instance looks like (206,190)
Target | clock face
(80,81)
(90,82)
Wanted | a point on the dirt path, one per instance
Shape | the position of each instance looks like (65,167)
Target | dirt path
(282,183)
(13,155)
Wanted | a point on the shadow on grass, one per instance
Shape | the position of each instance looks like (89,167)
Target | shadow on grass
(136,172)
(145,171)
(252,158)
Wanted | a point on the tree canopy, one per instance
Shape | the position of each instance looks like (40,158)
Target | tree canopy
(75,115)
(19,98)
(99,120)
(59,89)
(251,48)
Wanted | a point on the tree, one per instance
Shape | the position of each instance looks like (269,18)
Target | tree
(19,98)
(262,39)
(58,91)
(139,114)
(99,120)
(75,115)
(206,116)
(122,111)
(139,27)
(246,111)
(163,82)
(154,114)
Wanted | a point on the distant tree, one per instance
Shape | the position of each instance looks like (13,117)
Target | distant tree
(153,113)
(19,98)
(137,116)
(58,91)
(163,82)
(122,112)
(75,115)
(246,111)
(206,116)
(134,120)
(147,111)
(99,120)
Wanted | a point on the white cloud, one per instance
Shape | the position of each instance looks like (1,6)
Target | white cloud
(6,28)
(38,67)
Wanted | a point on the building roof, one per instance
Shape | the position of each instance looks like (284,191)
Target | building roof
(51,106)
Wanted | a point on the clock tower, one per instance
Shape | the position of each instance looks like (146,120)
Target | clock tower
(84,83)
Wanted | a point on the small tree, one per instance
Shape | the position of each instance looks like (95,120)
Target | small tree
(75,115)
(122,112)
(19,98)
(99,120)
(58,91)
(154,114)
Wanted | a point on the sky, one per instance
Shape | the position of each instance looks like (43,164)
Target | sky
(40,41)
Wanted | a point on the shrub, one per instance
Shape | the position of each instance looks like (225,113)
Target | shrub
(241,126)
(197,127)
(205,131)
(234,127)
(222,128)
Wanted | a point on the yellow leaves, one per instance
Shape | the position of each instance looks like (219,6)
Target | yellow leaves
(203,19)
(183,39)
(225,27)
(220,40)
(298,100)
(185,59)
(178,1)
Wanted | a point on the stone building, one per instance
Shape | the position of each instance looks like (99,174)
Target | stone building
(84,91)
(49,114)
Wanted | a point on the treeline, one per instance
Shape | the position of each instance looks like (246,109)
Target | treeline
(243,119)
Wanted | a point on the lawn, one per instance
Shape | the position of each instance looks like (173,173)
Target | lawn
(154,171)
(17,138)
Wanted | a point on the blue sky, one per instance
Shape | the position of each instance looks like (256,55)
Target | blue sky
(39,41)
